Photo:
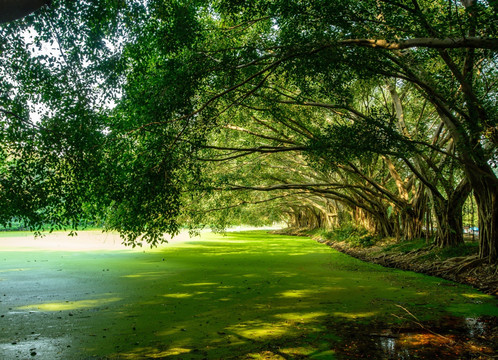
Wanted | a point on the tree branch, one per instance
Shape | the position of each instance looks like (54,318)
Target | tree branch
(471,42)
(259,149)
(237,128)
(242,203)
(26,121)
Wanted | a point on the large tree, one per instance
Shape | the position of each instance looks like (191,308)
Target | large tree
(446,50)
(180,69)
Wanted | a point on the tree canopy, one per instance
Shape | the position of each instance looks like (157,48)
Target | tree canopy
(145,116)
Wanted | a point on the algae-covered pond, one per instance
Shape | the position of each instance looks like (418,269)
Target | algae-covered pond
(247,295)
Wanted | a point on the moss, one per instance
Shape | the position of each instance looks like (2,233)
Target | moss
(406,246)
(353,235)
(466,249)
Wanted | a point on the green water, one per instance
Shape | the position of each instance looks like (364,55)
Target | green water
(244,295)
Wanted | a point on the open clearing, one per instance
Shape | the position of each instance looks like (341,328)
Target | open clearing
(247,295)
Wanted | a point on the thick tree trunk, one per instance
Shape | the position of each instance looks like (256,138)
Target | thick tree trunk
(487,204)
(449,215)
(385,227)
(412,221)
(377,223)
(485,187)
(332,215)
(307,217)
(449,223)
(412,227)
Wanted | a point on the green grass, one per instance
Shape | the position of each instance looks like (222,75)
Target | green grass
(353,235)
(466,249)
(406,246)
(243,295)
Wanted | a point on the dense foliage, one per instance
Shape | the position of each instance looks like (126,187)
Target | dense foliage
(161,113)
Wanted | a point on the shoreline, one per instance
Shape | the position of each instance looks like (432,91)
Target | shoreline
(464,270)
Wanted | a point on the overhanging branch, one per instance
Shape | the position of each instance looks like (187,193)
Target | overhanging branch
(259,149)
(434,43)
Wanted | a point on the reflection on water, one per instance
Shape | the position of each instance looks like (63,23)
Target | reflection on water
(449,338)
(36,346)
(388,345)
(475,326)
(389,348)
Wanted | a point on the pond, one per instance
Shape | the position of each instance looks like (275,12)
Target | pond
(246,295)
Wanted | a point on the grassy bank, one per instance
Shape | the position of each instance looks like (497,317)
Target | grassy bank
(459,263)
(360,238)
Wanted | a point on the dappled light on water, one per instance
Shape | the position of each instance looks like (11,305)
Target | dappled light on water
(296,293)
(153,353)
(200,284)
(183,295)
(301,317)
(70,305)
(354,315)
(477,296)
(259,330)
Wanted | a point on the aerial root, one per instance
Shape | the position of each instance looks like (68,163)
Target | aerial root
(458,265)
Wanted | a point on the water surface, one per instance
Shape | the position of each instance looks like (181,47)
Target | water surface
(245,295)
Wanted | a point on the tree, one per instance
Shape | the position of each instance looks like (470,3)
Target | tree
(52,116)
(187,67)
(452,77)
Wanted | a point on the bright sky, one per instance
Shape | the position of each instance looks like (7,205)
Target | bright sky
(53,50)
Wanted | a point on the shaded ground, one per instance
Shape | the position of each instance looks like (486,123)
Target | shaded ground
(242,296)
